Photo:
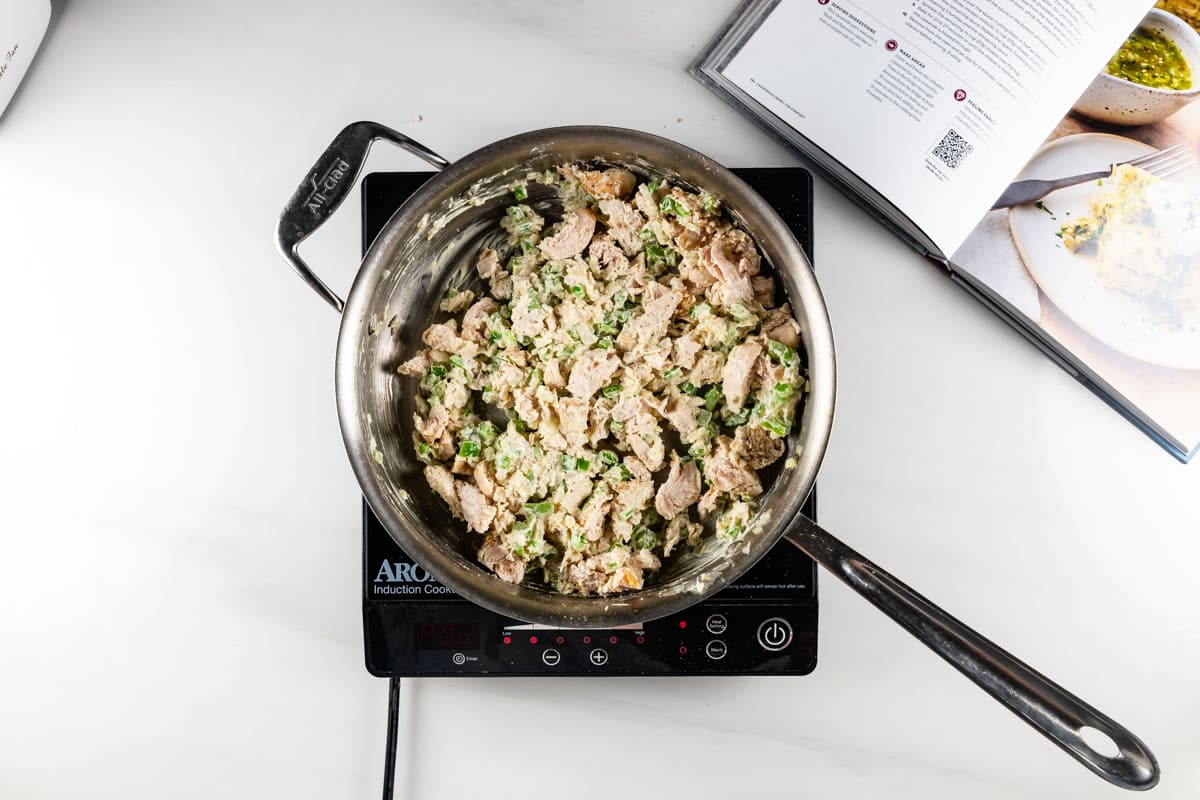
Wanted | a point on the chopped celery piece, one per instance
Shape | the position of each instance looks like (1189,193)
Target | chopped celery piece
(776,426)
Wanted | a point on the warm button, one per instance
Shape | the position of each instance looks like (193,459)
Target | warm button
(775,634)
(716,624)
(716,650)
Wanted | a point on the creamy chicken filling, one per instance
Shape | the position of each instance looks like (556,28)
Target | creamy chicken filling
(621,382)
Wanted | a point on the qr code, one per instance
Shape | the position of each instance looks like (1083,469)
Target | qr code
(952,149)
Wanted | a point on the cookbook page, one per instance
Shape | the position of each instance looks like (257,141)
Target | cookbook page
(1107,270)
(934,103)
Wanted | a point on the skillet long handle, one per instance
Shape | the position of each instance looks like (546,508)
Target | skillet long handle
(325,187)
(1048,707)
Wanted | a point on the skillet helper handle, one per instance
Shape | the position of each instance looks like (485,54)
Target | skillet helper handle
(325,187)
(1048,707)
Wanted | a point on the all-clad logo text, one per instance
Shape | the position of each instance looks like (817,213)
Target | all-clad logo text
(327,183)
(401,577)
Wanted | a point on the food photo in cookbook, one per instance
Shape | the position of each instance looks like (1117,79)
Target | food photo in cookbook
(1106,260)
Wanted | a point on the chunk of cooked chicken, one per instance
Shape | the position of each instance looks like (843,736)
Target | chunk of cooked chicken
(755,447)
(680,490)
(735,378)
(573,234)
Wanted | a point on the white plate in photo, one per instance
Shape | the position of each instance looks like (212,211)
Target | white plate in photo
(1069,280)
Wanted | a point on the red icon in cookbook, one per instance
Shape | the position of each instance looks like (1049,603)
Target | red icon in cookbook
(960,94)
(890,45)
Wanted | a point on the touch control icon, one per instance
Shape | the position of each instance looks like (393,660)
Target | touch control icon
(775,634)
(550,657)
(716,624)
(716,650)
(459,659)
(599,657)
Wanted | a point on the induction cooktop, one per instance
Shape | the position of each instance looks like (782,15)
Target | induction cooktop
(764,624)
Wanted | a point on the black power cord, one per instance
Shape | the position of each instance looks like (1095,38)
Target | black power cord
(393,723)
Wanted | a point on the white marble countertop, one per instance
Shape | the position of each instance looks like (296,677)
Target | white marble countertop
(179,526)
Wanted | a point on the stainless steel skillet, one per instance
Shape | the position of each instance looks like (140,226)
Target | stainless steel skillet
(431,241)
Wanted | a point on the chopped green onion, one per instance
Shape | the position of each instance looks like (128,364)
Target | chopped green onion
(578,542)
(606,326)
(458,362)
(781,352)
(424,452)
(710,202)
(688,388)
(608,458)
(698,450)
(611,391)
(733,532)
(623,315)
(712,397)
(703,416)
(520,194)
(605,343)
(672,373)
(576,290)
(643,538)
(520,222)
(568,462)
(505,462)
(670,205)
(438,370)
(616,425)
(783,390)
(653,185)
(487,432)
(539,509)
(620,297)
(700,311)
(469,449)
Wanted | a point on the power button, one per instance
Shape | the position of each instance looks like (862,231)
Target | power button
(775,634)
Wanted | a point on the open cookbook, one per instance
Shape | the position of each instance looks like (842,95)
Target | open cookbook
(1042,151)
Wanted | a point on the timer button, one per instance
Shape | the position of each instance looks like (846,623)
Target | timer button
(716,650)
(599,657)
(550,657)
(775,634)
(716,624)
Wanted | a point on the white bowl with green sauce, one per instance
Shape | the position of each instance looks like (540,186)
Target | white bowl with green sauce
(1155,73)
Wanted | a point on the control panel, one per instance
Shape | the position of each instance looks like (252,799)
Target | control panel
(458,638)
